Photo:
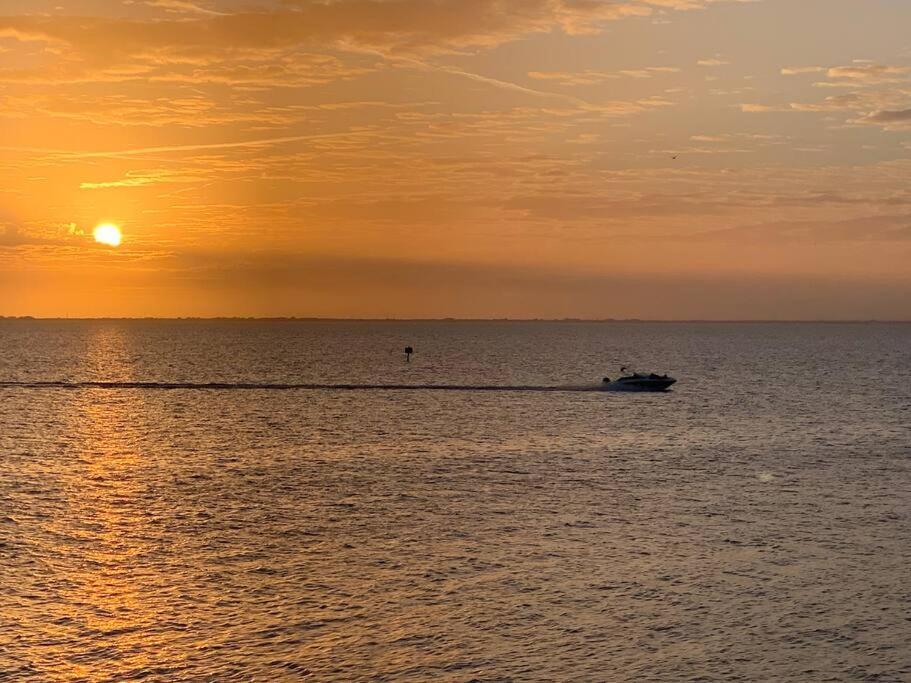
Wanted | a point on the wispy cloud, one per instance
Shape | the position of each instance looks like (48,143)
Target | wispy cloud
(799,70)
(182,6)
(592,77)
(141,151)
(890,119)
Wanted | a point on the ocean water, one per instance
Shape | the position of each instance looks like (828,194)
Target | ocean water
(754,524)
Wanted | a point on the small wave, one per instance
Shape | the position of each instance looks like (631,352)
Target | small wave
(245,386)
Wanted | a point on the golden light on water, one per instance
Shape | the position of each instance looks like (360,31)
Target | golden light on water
(109,234)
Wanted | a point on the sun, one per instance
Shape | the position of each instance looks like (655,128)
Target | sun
(109,234)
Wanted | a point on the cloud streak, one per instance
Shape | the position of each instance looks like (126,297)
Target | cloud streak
(142,151)
(390,25)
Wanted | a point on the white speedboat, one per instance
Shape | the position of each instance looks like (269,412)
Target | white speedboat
(639,381)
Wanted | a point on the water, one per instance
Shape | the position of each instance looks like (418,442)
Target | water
(754,524)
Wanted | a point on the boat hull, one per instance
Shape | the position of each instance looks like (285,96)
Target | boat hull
(641,384)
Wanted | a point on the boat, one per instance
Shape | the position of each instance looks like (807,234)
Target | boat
(638,381)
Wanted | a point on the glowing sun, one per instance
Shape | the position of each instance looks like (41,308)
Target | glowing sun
(109,234)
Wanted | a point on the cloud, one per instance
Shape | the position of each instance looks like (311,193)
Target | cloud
(877,91)
(175,148)
(495,82)
(890,116)
(593,77)
(799,70)
(870,74)
(890,119)
(182,6)
(859,101)
(12,236)
(294,43)
(143,178)
(158,112)
(885,107)
(751,108)
(392,25)
(406,26)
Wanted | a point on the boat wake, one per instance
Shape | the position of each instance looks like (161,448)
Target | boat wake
(244,386)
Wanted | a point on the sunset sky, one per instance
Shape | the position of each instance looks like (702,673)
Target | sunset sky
(670,159)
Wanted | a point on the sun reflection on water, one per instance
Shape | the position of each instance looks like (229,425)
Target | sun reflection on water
(105,530)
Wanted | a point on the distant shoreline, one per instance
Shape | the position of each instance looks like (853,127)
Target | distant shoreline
(705,321)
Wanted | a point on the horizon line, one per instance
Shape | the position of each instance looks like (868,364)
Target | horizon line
(829,321)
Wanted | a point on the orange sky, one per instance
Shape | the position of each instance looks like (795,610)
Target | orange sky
(466,158)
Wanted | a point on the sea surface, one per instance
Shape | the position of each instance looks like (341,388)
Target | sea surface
(754,524)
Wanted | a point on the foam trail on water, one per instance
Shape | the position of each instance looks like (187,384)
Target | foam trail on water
(243,386)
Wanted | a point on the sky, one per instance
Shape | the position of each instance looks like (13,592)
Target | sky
(660,159)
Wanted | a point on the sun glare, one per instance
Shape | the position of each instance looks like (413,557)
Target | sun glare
(108,234)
